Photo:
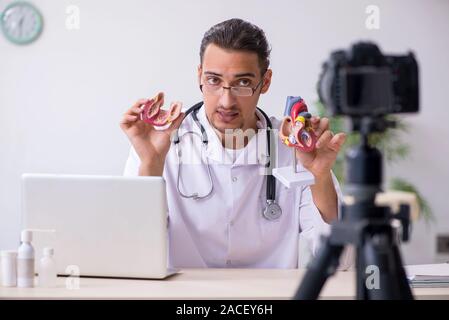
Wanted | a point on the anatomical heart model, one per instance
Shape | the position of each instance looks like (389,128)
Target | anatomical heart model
(296,128)
(153,114)
(296,132)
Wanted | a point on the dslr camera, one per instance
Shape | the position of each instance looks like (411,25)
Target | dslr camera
(363,82)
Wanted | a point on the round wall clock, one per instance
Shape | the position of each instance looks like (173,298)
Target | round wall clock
(21,22)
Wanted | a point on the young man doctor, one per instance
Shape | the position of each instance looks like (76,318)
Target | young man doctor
(227,228)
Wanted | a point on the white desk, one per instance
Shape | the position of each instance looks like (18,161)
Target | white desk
(204,284)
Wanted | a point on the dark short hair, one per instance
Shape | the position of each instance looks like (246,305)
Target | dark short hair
(237,34)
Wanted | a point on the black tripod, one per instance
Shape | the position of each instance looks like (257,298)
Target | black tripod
(379,270)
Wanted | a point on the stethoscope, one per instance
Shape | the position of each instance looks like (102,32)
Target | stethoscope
(272,210)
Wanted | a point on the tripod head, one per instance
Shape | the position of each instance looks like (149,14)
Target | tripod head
(364,170)
(364,173)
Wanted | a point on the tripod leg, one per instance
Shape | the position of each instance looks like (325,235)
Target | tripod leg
(376,277)
(321,267)
(404,286)
(381,257)
(360,281)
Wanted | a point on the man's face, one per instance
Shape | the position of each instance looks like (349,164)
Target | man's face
(222,67)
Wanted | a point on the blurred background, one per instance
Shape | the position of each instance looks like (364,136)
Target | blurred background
(62,95)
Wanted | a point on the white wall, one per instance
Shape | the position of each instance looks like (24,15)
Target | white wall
(61,98)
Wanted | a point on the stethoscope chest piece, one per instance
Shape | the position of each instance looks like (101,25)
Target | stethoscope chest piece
(272,211)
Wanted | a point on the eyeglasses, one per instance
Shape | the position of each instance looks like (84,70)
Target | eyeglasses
(217,90)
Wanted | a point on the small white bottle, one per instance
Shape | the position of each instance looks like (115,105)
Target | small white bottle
(25,261)
(47,269)
(9,268)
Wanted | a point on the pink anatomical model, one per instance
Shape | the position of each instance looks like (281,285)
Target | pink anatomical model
(153,114)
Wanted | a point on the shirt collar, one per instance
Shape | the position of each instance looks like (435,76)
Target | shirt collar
(255,152)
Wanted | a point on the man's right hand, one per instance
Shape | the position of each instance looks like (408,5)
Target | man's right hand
(150,144)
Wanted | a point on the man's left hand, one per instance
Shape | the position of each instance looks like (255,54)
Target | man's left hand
(321,160)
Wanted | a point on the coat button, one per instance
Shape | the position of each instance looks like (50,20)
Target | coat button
(234,179)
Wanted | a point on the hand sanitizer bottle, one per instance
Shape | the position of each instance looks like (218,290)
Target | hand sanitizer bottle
(47,269)
(25,261)
(25,258)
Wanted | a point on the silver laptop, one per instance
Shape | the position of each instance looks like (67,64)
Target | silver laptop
(105,226)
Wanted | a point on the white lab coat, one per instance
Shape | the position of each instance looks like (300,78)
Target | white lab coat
(227,229)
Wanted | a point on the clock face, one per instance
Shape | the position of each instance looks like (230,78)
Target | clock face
(21,23)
